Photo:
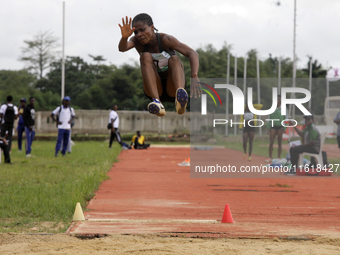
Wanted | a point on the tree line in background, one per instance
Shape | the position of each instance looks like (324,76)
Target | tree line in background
(99,86)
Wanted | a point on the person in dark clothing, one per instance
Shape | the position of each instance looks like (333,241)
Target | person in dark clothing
(5,148)
(311,140)
(275,128)
(8,114)
(248,132)
(21,123)
(29,116)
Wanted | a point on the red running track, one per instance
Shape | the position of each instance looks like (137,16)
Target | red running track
(149,193)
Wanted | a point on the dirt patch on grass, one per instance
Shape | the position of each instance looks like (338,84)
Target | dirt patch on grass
(19,225)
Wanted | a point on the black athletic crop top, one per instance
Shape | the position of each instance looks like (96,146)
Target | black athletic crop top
(170,52)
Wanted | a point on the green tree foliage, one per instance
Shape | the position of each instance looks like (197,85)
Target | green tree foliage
(213,62)
(96,86)
(317,70)
(98,59)
(22,84)
(16,83)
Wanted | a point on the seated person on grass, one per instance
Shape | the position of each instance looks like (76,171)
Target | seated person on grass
(138,141)
(310,141)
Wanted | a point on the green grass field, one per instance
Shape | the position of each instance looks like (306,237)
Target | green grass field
(41,192)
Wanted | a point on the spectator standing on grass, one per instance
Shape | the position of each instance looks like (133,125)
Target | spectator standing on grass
(21,123)
(4,146)
(65,115)
(113,126)
(138,141)
(337,121)
(70,142)
(29,119)
(8,114)
(310,141)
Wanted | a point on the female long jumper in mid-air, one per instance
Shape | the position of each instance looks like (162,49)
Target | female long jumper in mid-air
(162,71)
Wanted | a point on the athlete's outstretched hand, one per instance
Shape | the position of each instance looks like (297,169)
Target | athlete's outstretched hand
(126,28)
(195,88)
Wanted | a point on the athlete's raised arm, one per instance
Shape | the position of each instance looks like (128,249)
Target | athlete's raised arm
(126,30)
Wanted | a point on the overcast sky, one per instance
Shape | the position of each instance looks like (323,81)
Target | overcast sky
(92,26)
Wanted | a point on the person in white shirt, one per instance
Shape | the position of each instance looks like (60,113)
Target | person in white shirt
(65,115)
(8,114)
(113,125)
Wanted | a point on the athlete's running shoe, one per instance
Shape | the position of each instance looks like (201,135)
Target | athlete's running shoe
(184,163)
(181,100)
(157,108)
(268,160)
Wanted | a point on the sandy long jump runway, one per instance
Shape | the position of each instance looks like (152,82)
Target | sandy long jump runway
(149,193)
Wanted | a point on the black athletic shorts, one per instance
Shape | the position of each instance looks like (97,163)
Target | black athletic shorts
(277,127)
(248,129)
(164,97)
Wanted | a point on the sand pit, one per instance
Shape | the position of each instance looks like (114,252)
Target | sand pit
(152,244)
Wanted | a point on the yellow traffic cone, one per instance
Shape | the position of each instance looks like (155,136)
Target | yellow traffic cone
(78,213)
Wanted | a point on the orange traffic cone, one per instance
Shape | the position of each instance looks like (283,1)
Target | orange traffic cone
(227,217)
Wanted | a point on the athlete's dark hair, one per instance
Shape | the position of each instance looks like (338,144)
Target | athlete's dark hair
(145,18)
